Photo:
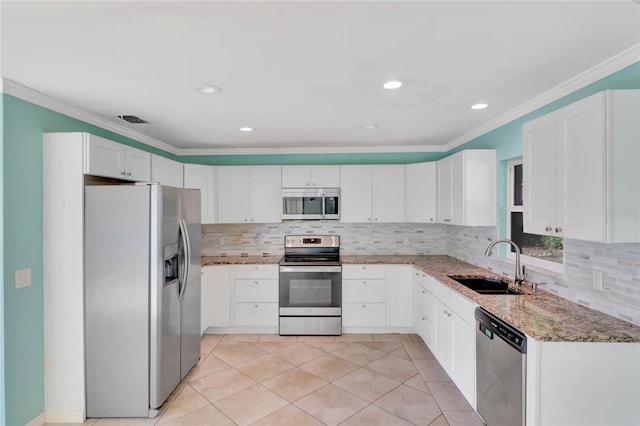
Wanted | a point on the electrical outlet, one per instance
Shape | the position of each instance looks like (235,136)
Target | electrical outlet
(222,241)
(406,240)
(259,239)
(597,280)
(23,278)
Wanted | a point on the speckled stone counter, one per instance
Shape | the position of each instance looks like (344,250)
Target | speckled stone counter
(541,315)
(240,260)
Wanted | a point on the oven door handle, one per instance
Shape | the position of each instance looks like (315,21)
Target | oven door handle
(310,269)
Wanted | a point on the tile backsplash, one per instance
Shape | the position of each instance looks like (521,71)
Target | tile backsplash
(619,263)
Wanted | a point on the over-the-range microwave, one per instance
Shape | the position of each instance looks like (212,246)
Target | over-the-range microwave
(310,203)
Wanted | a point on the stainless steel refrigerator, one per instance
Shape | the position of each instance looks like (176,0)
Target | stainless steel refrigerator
(142,295)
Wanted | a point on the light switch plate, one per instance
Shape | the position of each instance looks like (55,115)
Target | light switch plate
(23,278)
(597,281)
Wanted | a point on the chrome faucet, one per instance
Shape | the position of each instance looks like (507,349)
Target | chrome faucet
(518,277)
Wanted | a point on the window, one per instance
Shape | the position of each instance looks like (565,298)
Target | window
(537,250)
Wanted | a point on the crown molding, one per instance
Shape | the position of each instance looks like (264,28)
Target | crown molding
(38,98)
(615,63)
(608,67)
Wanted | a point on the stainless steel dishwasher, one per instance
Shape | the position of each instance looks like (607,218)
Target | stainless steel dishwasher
(501,368)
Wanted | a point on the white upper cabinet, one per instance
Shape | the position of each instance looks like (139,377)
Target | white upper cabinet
(111,159)
(311,176)
(467,188)
(166,171)
(372,193)
(420,192)
(581,168)
(249,194)
(203,178)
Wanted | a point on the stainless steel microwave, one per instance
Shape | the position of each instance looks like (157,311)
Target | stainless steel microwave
(310,203)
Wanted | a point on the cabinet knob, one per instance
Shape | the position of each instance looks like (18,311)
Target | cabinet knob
(251,219)
(423,318)
(558,229)
(431,219)
(129,174)
(122,173)
(314,184)
(364,306)
(364,267)
(376,219)
(364,282)
(245,219)
(307,184)
(369,219)
(548,229)
(255,306)
(423,292)
(255,282)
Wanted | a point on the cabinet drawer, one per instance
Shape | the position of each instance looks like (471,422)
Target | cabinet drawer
(458,303)
(364,271)
(256,290)
(256,314)
(426,303)
(364,290)
(248,272)
(364,314)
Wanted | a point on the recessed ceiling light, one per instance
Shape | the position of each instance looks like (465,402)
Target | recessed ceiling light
(369,126)
(246,129)
(394,84)
(479,106)
(207,89)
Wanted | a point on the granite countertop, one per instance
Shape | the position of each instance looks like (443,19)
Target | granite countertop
(541,315)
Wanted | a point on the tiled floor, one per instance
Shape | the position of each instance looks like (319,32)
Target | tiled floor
(353,379)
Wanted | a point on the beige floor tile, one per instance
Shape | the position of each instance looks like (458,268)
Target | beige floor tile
(329,367)
(211,364)
(463,418)
(417,350)
(264,367)
(250,405)
(331,404)
(238,338)
(430,370)
(391,337)
(393,367)
(288,416)
(354,337)
(237,353)
(358,353)
(410,404)
(366,384)
(299,353)
(316,339)
(387,347)
(276,338)
(273,346)
(416,382)
(122,421)
(416,338)
(205,416)
(440,421)
(401,353)
(222,384)
(374,416)
(294,384)
(328,347)
(208,342)
(448,396)
(187,401)
(87,422)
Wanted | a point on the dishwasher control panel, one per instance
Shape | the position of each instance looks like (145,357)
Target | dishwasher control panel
(490,325)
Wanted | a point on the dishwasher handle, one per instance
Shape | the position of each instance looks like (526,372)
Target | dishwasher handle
(490,325)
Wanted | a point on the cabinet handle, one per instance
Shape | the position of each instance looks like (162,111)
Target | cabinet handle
(558,229)
(122,173)
(548,229)
(129,174)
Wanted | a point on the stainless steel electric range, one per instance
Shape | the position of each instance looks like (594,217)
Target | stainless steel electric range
(311,286)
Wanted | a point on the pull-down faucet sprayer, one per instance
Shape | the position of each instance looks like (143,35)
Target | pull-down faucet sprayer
(518,277)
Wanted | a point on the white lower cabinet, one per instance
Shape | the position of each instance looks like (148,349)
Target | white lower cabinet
(256,314)
(256,295)
(399,296)
(215,297)
(364,296)
(424,307)
(364,314)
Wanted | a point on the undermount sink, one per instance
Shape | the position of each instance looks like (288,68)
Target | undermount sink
(485,285)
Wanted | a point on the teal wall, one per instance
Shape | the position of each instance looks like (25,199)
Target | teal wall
(24,124)
(2,398)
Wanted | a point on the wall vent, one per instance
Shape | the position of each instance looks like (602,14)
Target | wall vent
(132,119)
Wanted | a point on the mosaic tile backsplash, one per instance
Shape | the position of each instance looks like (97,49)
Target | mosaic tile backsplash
(619,263)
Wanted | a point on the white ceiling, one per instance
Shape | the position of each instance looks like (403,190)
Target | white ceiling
(307,74)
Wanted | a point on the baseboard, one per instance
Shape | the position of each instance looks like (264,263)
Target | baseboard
(38,420)
(63,417)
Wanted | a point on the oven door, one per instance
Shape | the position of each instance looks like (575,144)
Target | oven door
(310,290)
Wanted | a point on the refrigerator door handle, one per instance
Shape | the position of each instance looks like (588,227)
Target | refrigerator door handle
(187,260)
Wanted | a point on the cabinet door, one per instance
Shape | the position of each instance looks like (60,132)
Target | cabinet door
(581,173)
(166,171)
(539,175)
(233,194)
(215,297)
(325,176)
(203,178)
(463,369)
(363,314)
(388,193)
(356,194)
(399,296)
(137,164)
(458,189)
(105,158)
(443,168)
(420,192)
(443,338)
(265,194)
(296,176)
